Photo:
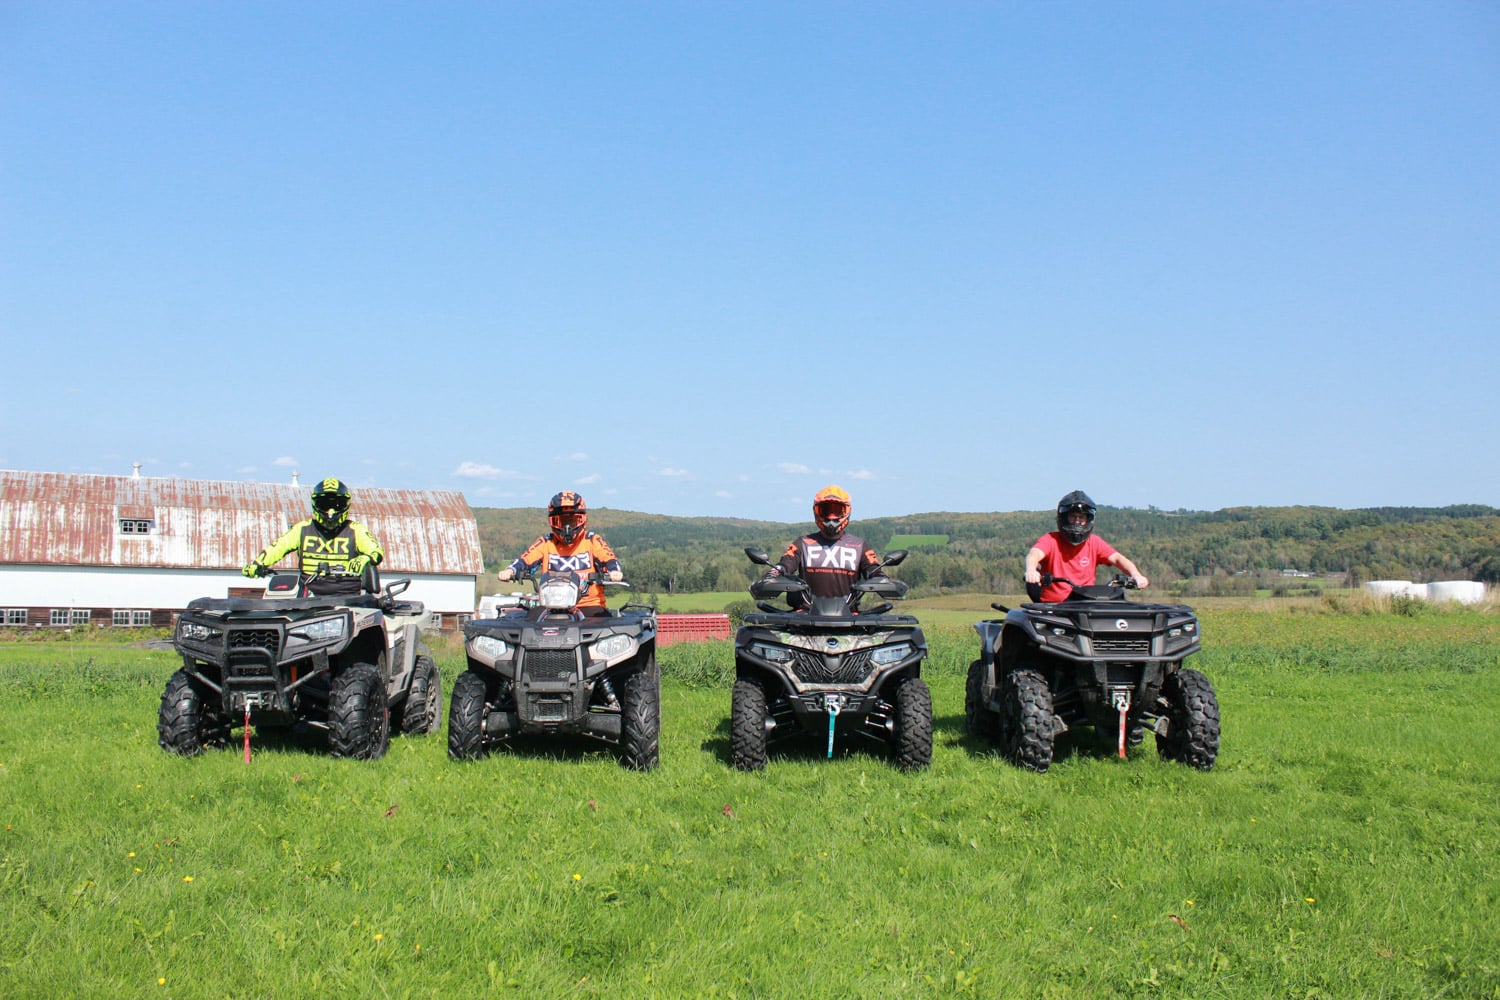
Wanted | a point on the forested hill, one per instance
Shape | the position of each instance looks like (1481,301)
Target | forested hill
(984,552)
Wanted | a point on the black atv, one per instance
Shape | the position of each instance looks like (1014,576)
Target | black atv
(1094,659)
(544,667)
(352,665)
(800,672)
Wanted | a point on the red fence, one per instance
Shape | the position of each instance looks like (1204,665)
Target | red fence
(690,628)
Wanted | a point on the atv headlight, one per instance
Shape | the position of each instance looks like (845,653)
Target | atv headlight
(320,631)
(558,594)
(196,632)
(776,654)
(885,655)
(487,648)
(612,646)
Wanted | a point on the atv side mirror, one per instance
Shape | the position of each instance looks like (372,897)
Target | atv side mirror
(757,555)
(894,558)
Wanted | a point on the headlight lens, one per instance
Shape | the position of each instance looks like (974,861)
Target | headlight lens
(776,654)
(488,646)
(612,646)
(891,654)
(320,631)
(558,595)
(196,632)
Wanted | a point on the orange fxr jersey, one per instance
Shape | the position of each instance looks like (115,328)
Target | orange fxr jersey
(587,555)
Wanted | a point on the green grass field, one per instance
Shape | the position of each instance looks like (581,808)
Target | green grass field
(1344,846)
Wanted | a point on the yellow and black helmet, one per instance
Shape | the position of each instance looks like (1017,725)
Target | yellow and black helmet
(330,503)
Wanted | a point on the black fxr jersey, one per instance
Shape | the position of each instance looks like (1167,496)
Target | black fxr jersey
(830,568)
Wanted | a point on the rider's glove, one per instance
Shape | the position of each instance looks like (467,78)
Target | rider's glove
(358,563)
(252,569)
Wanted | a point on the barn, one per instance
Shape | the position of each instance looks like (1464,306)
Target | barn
(133,550)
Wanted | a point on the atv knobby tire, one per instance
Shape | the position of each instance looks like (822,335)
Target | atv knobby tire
(747,725)
(422,712)
(186,724)
(640,718)
(1027,723)
(979,722)
(466,717)
(358,723)
(1192,720)
(913,737)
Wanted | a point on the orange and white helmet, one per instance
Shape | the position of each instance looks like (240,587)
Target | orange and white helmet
(569,517)
(831,509)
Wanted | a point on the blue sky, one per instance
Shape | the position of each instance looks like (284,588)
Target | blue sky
(703,258)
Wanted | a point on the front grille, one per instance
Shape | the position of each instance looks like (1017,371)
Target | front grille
(249,670)
(551,664)
(255,638)
(1130,645)
(815,668)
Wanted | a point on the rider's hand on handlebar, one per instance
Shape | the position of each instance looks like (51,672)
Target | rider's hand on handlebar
(252,569)
(616,576)
(507,574)
(1141,582)
(1033,576)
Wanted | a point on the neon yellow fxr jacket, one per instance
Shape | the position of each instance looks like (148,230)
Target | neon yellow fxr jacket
(341,551)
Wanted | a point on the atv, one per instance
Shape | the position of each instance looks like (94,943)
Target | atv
(1094,659)
(353,665)
(801,672)
(546,668)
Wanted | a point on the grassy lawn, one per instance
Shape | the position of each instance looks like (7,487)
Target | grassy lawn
(1345,844)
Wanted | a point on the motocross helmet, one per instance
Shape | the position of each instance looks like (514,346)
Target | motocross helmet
(1079,502)
(831,508)
(330,504)
(569,517)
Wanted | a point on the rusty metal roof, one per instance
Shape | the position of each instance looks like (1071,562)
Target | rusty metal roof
(62,519)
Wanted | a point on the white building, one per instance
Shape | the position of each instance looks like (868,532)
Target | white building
(129,550)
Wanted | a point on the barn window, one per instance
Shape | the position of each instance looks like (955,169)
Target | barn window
(135,526)
(132,618)
(15,616)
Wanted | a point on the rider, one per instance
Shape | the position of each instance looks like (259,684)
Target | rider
(328,538)
(570,546)
(1073,552)
(829,558)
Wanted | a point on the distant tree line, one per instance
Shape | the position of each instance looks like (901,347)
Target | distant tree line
(985,551)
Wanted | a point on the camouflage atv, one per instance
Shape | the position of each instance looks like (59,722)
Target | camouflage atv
(544,668)
(354,666)
(831,668)
(1093,660)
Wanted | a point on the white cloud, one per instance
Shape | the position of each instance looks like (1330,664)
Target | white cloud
(287,462)
(577,456)
(723,493)
(590,479)
(675,473)
(862,474)
(478,470)
(794,469)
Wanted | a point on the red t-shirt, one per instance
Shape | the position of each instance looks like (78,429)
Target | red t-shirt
(1071,562)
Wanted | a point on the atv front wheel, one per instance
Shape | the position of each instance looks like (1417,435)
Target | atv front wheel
(422,712)
(358,723)
(913,725)
(747,725)
(1027,722)
(979,721)
(640,718)
(186,724)
(1192,720)
(466,717)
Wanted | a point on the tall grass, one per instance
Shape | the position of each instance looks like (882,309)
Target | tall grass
(1344,845)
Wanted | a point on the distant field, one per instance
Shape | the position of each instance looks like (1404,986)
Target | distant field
(1344,845)
(918,542)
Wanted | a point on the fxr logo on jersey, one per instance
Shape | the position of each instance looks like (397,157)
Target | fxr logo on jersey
(579,562)
(312,545)
(835,557)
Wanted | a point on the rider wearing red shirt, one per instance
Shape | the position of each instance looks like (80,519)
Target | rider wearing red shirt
(570,547)
(1073,552)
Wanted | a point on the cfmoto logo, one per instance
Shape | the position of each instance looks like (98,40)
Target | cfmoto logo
(1121,625)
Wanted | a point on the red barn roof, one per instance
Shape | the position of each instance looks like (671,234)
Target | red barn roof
(62,519)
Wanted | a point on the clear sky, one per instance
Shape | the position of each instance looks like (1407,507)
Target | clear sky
(703,258)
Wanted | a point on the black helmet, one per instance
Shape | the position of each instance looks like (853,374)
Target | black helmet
(330,503)
(1076,501)
(568,516)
